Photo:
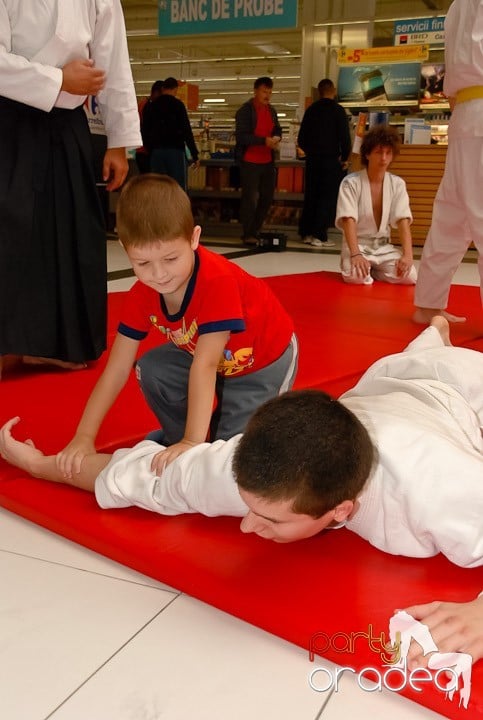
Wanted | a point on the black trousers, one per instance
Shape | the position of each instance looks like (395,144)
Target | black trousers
(323,175)
(53,274)
(257,189)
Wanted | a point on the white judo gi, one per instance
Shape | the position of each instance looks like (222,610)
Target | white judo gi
(374,242)
(424,411)
(458,207)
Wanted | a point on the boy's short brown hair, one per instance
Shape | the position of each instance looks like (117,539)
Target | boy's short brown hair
(306,447)
(151,208)
(379,136)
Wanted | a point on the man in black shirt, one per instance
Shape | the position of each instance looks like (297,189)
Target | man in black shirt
(325,139)
(165,129)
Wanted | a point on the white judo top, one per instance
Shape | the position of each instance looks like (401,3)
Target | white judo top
(355,201)
(423,409)
(38,38)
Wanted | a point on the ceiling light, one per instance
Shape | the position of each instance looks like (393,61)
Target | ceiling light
(214,100)
(271,48)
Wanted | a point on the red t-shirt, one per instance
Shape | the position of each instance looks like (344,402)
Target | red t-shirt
(264,128)
(220,296)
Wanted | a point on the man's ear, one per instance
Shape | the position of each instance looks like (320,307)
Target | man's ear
(343,510)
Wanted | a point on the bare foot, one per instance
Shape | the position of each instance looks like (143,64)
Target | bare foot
(21,454)
(31,360)
(442,326)
(423,316)
(7,362)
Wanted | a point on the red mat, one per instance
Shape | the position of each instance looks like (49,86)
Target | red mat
(342,584)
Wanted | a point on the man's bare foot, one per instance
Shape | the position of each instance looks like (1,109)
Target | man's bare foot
(31,360)
(21,454)
(7,362)
(423,316)
(442,326)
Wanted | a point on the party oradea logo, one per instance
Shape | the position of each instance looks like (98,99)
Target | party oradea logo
(448,672)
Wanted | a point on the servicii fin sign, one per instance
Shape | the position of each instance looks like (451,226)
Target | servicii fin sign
(190,17)
(428,31)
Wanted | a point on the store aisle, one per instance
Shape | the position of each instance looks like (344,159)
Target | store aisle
(84,638)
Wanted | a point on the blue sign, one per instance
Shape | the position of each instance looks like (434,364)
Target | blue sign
(429,31)
(379,85)
(199,17)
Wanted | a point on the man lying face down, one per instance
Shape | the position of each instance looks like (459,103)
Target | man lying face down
(398,460)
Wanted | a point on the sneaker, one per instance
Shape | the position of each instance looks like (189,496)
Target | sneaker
(322,244)
(308,239)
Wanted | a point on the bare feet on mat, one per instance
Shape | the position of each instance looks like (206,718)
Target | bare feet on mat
(12,362)
(21,454)
(442,326)
(423,316)
(31,360)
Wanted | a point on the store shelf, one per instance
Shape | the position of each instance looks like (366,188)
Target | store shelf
(215,194)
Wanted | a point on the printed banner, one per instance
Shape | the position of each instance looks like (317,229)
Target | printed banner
(198,17)
(357,56)
(379,85)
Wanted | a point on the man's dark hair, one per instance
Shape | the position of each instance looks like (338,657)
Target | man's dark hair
(326,85)
(170,83)
(379,136)
(268,82)
(157,86)
(307,447)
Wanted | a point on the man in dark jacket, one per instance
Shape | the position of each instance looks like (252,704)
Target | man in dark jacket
(325,139)
(165,129)
(258,134)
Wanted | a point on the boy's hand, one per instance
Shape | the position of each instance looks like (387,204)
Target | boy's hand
(454,627)
(162,459)
(360,267)
(404,265)
(70,459)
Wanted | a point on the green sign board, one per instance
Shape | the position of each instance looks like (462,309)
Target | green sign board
(200,17)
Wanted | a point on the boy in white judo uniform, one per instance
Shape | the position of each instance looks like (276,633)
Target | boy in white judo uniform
(458,208)
(398,460)
(370,202)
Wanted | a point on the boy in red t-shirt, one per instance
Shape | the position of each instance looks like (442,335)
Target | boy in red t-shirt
(228,335)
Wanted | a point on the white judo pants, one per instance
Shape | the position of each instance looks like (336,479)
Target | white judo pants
(383,259)
(457,220)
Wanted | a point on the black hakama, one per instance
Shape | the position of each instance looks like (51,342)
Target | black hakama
(53,274)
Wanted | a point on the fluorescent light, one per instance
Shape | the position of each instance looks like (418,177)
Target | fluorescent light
(214,100)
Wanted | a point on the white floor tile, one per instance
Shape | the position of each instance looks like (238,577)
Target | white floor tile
(58,626)
(194,662)
(22,537)
(116,256)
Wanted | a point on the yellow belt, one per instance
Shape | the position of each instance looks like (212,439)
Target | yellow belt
(470,93)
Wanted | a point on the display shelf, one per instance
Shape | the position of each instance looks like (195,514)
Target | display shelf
(215,194)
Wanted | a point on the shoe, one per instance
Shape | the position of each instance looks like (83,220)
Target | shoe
(308,239)
(321,244)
